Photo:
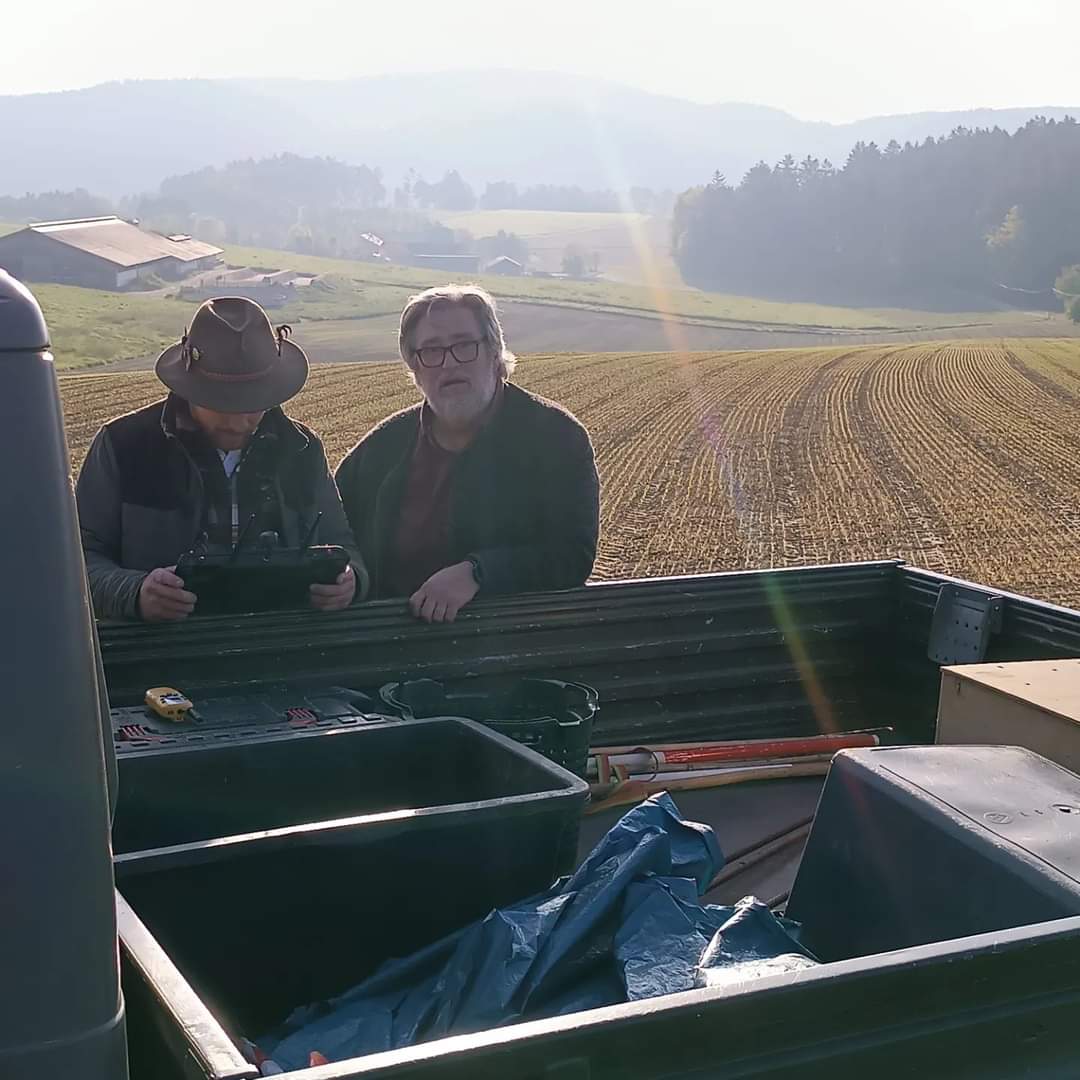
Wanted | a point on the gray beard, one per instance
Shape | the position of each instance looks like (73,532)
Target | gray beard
(463,411)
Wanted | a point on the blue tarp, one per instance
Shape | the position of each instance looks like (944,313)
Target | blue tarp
(627,925)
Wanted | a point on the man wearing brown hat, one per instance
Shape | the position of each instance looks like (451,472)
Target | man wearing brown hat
(216,457)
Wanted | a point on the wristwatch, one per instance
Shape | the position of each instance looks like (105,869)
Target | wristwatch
(477,569)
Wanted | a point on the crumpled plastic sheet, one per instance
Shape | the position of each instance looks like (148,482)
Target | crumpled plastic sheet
(627,925)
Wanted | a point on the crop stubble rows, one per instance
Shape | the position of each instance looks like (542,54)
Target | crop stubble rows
(960,457)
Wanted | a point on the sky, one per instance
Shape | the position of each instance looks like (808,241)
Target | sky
(835,60)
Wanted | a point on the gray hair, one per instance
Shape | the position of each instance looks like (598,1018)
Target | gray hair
(477,300)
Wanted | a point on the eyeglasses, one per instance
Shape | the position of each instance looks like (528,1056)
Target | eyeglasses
(433,356)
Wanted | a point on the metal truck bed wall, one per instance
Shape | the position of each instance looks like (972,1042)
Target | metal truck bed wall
(1030,630)
(744,653)
(752,653)
(993,1006)
(977,1007)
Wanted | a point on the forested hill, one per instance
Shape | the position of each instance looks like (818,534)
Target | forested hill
(529,127)
(972,217)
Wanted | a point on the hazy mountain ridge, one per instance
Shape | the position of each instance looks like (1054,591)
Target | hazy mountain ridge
(528,127)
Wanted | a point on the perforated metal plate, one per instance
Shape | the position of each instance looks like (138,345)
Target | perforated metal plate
(963,621)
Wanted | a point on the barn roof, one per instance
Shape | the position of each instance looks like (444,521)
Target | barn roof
(121,243)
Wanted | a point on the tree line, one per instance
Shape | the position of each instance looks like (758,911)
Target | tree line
(267,194)
(322,206)
(452,192)
(978,216)
(1067,288)
(53,206)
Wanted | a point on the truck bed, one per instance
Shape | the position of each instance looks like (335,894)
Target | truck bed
(722,656)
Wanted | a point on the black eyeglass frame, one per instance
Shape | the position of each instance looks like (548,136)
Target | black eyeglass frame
(442,350)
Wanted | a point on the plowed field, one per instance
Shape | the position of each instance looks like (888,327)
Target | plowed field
(959,457)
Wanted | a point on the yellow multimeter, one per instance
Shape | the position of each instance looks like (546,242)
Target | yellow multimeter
(169,704)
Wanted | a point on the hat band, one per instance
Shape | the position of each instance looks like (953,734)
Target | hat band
(190,353)
(228,376)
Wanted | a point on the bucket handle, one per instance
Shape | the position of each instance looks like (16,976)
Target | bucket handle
(387,693)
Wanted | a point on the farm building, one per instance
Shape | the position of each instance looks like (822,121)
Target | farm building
(102,253)
(505,266)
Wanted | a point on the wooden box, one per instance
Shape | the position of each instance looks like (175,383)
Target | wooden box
(1033,703)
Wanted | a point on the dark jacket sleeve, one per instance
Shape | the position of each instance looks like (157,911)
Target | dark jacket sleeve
(114,590)
(334,527)
(569,523)
(349,485)
(356,480)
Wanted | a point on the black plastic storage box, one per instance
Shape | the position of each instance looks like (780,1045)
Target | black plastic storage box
(456,820)
(919,844)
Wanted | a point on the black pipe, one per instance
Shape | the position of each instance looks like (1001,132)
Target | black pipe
(61,1012)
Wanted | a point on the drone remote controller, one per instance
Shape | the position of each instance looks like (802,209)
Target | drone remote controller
(265,577)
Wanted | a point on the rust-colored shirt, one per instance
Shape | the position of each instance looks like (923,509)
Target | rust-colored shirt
(422,545)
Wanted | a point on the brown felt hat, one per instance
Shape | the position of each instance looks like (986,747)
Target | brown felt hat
(232,360)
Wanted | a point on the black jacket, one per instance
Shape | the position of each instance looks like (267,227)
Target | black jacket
(142,496)
(525,498)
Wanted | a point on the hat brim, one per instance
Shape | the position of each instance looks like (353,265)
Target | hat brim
(284,381)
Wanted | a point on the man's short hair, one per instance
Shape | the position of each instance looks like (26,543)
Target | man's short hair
(478,300)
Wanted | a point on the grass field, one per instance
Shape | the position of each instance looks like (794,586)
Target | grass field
(89,327)
(960,457)
(689,304)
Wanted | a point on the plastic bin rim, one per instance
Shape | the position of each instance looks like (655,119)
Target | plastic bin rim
(176,854)
(196,1013)
(218,1056)
(388,692)
(569,787)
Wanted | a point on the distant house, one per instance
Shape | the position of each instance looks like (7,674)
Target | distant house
(457,264)
(101,253)
(505,266)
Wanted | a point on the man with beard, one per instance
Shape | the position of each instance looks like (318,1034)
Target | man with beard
(483,488)
(216,456)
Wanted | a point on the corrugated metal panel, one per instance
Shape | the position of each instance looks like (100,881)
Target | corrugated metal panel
(1031,629)
(121,243)
(778,652)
